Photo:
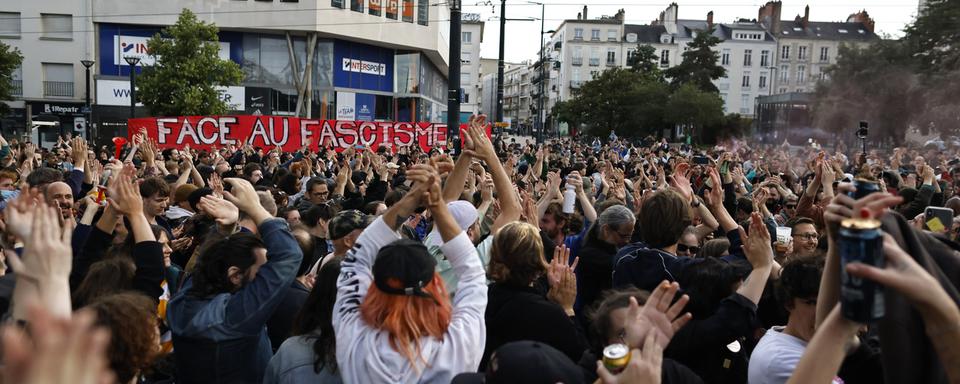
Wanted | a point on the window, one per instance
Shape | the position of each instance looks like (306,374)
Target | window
(723,96)
(594,56)
(595,34)
(665,58)
(746,80)
(16,81)
(58,27)
(466,37)
(725,57)
(575,76)
(611,35)
(748,36)
(423,12)
(357,5)
(611,57)
(375,7)
(801,74)
(785,52)
(763,80)
(337,3)
(745,104)
(57,79)
(764,58)
(10,24)
(578,33)
(723,86)
(577,56)
(824,54)
(785,73)
(801,52)
(747,57)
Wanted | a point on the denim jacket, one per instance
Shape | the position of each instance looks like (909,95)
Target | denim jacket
(222,339)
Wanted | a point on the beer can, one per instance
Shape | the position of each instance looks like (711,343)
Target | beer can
(616,357)
(860,240)
(864,188)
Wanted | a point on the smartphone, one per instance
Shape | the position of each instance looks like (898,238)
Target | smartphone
(938,219)
(701,160)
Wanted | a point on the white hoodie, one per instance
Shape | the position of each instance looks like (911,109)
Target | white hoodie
(364,354)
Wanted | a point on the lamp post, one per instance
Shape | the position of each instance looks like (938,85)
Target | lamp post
(453,81)
(540,117)
(132,61)
(86,65)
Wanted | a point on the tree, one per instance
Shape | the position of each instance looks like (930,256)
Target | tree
(188,70)
(693,109)
(10,59)
(699,66)
(645,62)
(618,99)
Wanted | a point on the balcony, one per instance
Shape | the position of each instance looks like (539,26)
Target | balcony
(611,63)
(577,61)
(58,88)
(575,84)
(16,87)
(595,62)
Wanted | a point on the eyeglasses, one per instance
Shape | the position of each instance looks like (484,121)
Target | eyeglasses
(684,248)
(807,236)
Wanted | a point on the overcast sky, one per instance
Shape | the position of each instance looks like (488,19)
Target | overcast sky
(522,43)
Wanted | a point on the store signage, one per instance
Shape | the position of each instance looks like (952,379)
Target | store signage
(117,92)
(136,46)
(65,109)
(290,133)
(346,106)
(361,66)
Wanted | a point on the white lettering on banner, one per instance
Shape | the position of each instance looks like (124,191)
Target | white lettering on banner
(361,66)
(47,108)
(136,46)
(117,92)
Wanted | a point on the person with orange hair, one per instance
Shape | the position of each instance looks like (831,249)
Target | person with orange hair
(403,328)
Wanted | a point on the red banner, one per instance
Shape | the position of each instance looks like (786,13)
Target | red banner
(290,133)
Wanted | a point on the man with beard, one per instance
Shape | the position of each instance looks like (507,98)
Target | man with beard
(58,194)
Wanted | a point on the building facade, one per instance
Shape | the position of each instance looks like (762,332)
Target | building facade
(372,60)
(470,75)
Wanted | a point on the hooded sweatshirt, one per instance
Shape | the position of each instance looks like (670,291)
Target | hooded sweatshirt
(364,354)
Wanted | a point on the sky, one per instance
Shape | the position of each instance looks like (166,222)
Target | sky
(890,16)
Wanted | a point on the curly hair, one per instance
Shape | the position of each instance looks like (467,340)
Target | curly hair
(134,335)
(517,255)
(105,277)
(217,256)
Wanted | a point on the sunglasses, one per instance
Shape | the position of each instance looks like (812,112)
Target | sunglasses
(683,248)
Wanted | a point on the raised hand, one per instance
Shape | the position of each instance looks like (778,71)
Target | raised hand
(20,212)
(563,281)
(843,207)
(656,316)
(756,246)
(715,196)
(124,194)
(681,183)
(244,197)
(224,212)
(78,151)
(47,254)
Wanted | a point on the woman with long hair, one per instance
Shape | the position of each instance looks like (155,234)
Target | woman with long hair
(311,354)
(393,316)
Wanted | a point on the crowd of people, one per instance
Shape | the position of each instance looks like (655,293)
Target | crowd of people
(510,262)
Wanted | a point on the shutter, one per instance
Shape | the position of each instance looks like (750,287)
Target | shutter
(9,24)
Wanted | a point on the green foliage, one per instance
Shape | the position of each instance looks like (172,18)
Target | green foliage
(617,99)
(699,66)
(188,70)
(646,62)
(10,59)
(694,109)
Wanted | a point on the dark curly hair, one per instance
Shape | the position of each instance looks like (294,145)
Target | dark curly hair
(708,282)
(134,337)
(799,279)
(217,256)
(315,319)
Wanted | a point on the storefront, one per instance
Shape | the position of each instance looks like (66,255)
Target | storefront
(54,119)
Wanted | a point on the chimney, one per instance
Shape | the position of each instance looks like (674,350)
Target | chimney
(585,13)
(806,17)
(579,16)
(862,17)
(620,14)
(710,20)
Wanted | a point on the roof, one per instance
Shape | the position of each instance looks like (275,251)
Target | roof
(686,28)
(825,30)
(645,33)
(608,20)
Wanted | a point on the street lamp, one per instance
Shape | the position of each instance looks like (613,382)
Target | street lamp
(132,61)
(543,9)
(87,64)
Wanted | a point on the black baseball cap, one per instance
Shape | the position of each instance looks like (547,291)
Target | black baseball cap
(347,221)
(528,362)
(408,262)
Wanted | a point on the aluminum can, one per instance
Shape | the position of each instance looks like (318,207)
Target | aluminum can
(860,240)
(616,357)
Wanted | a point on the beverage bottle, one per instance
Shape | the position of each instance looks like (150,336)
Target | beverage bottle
(569,198)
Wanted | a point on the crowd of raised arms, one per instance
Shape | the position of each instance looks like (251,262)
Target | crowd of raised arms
(576,261)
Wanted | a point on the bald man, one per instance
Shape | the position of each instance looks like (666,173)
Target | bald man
(59,194)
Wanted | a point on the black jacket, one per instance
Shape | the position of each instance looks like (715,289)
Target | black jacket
(671,372)
(595,271)
(702,345)
(524,313)
(281,323)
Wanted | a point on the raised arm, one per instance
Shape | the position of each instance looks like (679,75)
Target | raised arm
(42,275)
(822,358)
(589,212)
(453,187)
(756,246)
(509,201)
(715,203)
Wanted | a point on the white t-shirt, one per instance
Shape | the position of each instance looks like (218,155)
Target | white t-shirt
(775,357)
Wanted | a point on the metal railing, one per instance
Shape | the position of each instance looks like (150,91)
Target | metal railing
(578,61)
(576,83)
(58,88)
(594,62)
(17,86)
